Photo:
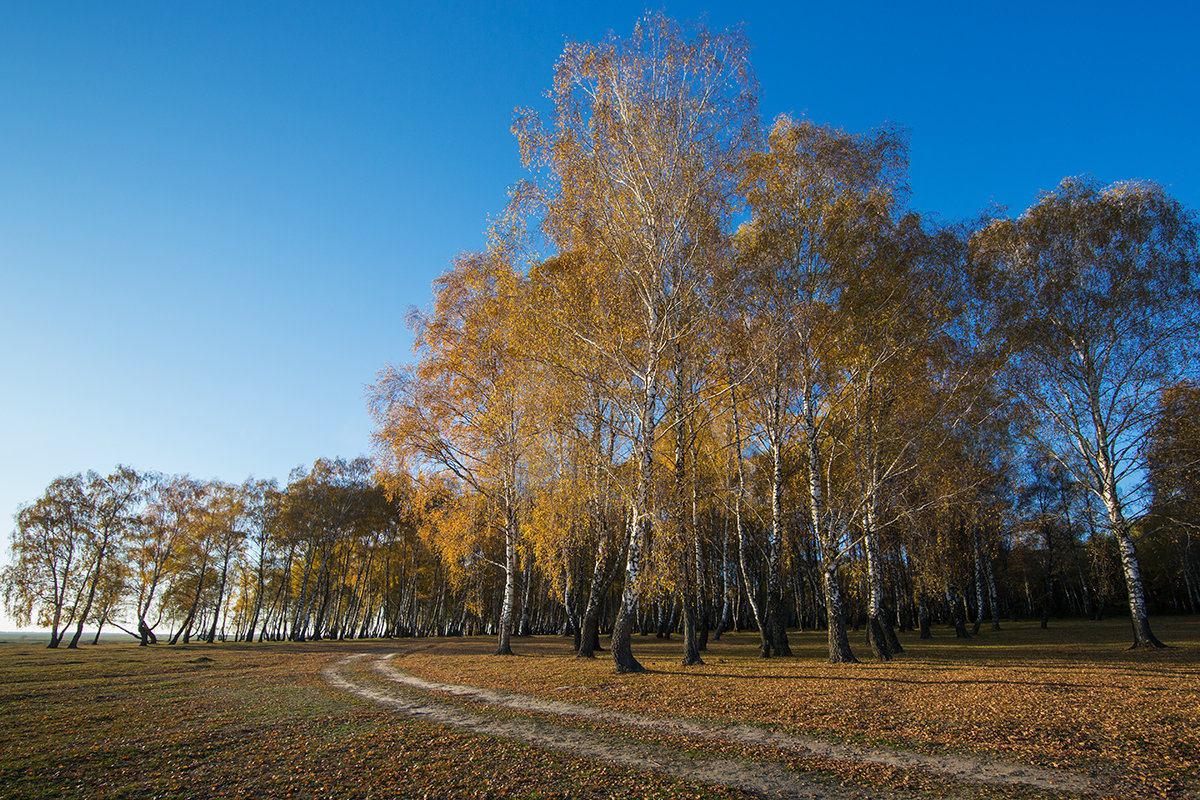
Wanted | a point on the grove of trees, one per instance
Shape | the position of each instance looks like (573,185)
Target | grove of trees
(742,366)
(709,375)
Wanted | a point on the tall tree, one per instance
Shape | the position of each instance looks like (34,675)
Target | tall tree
(1098,288)
(227,512)
(911,368)
(192,581)
(635,173)
(262,498)
(1174,455)
(154,545)
(816,195)
(1174,475)
(112,506)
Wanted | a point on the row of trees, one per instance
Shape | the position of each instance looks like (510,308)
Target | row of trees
(332,555)
(328,555)
(838,385)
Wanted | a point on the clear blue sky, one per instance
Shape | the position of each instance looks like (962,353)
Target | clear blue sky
(214,215)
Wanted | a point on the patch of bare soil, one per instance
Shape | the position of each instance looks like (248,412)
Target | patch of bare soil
(414,696)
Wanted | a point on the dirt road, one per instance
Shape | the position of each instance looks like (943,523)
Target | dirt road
(662,743)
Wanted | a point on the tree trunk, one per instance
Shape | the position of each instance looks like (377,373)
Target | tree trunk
(877,619)
(212,631)
(726,600)
(751,594)
(775,621)
(510,579)
(958,612)
(622,645)
(691,648)
(1047,603)
(993,599)
(87,607)
(701,591)
(186,629)
(602,577)
(685,526)
(295,632)
(641,523)
(978,584)
(839,643)
(523,628)
(1142,635)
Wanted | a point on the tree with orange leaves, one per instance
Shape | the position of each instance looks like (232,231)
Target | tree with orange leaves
(634,174)
(468,408)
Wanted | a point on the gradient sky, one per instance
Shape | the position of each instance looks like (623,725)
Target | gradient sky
(214,215)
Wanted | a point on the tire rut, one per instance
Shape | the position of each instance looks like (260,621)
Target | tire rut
(961,767)
(410,695)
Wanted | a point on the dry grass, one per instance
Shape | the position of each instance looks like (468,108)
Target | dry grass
(255,720)
(1069,697)
(119,721)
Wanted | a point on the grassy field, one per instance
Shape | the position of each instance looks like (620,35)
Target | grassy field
(116,720)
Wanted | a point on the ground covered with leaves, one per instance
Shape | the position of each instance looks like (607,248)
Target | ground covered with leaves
(116,720)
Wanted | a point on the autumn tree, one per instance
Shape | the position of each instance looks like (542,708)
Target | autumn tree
(1046,500)
(191,579)
(153,546)
(579,480)
(46,577)
(634,172)
(469,408)
(320,515)
(111,512)
(261,499)
(912,366)
(1173,461)
(759,363)
(1173,455)
(227,516)
(816,194)
(1097,288)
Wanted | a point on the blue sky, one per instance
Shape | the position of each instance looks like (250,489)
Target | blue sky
(213,216)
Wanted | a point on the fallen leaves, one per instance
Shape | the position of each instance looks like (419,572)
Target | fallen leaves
(122,721)
(258,724)
(1064,699)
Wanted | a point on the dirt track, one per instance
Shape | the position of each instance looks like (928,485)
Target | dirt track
(388,685)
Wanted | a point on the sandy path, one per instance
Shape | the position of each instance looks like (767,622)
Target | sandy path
(412,696)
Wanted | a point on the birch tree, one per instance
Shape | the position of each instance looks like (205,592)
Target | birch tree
(634,170)
(469,408)
(45,581)
(111,512)
(154,547)
(815,193)
(1098,289)
(911,366)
